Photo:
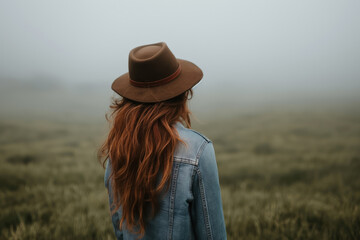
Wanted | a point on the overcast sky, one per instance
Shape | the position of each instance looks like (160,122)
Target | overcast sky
(256,46)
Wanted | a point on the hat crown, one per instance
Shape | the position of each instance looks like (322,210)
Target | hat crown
(146,52)
(151,63)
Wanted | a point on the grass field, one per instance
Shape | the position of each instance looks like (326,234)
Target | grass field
(283,176)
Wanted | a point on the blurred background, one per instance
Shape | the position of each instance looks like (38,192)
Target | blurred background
(279,98)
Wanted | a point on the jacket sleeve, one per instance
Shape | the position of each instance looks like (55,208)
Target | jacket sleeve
(206,208)
(115,218)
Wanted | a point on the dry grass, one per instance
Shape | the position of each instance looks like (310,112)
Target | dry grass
(283,176)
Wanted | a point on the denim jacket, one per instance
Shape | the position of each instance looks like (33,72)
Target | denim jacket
(192,207)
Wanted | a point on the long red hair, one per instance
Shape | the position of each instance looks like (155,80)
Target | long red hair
(140,148)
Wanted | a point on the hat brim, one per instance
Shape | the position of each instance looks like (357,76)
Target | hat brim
(189,76)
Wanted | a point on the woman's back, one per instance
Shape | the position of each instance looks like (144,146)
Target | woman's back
(161,177)
(191,208)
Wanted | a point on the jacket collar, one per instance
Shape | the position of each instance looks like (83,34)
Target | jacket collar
(179,125)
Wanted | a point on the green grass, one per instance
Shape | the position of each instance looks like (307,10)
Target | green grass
(282,175)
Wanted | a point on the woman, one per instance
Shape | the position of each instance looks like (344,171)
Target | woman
(161,176)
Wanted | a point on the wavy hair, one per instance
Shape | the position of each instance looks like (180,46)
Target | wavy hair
(140,148)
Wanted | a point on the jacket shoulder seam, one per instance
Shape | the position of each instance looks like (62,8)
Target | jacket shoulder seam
(201,135)
(200,151)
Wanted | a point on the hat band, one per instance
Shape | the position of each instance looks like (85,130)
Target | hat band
(157,82)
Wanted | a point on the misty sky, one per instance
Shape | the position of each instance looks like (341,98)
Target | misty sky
(252,46)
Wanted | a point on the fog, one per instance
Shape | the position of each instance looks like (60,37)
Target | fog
(62,56)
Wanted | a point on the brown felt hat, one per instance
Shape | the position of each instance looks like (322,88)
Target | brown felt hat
(156,75)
